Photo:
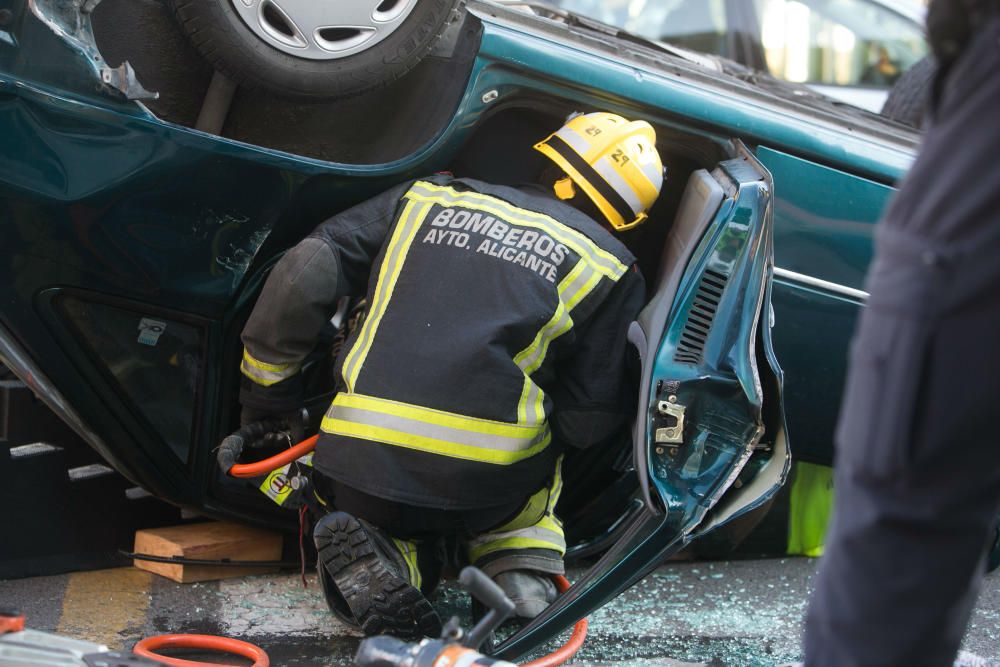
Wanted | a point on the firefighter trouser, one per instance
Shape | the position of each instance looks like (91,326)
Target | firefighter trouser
(532,540)
(525,536)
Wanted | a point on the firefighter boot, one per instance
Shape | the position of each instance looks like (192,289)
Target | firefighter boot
(372,575)
(531,592)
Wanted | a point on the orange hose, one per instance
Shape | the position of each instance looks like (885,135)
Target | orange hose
(146,647)
(11,623)
(243,470)
(569,649)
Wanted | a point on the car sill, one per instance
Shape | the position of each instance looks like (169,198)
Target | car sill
(826,285)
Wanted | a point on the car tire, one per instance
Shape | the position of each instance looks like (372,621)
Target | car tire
(910,94)
(242,53)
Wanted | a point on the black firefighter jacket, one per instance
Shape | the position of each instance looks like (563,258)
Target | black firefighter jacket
(495,335)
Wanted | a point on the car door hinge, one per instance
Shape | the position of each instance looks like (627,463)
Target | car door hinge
(123,79)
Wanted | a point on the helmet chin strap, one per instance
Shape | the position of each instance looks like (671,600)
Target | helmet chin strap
(564,188)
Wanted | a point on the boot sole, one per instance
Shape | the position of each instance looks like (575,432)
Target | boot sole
(382,603)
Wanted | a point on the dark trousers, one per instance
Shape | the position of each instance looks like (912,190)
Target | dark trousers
(917,470)
(416,523)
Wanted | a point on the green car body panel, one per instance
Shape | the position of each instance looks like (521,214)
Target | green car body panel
(823,224)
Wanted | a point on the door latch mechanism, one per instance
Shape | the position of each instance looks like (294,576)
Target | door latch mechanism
(672,433)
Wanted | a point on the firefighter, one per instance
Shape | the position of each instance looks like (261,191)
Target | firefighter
(495,336)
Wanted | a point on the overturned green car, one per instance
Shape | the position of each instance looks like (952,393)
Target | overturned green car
(143,199)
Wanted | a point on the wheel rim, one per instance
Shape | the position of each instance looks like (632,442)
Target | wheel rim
(323,29)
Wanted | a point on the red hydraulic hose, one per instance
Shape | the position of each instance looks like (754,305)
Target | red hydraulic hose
(243,470)
(11,621)
(146,647)
(569,649)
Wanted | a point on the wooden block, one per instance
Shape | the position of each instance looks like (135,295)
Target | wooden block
(213,540)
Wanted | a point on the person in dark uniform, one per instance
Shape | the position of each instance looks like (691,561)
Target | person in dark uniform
(495,335)
(917,472)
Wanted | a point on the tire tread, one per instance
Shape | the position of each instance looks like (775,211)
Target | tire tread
(211,27)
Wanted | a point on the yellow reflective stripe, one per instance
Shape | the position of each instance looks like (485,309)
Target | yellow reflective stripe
(402,238)
(531,514)
(601,260)
(263,365)
(530,358)
(263,373)
(541,504)
(550,522)
(547,535)
(426,428)
(511,543)
(578,283)
(409,552)
(435,417)
(469,452)
(545,532)
(557,485)
(531,393)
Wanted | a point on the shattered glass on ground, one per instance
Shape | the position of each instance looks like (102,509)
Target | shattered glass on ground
(721,614)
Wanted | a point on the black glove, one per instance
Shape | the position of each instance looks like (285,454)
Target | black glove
(261,428)
(269,427)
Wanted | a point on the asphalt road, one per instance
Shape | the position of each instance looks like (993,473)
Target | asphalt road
(739,613)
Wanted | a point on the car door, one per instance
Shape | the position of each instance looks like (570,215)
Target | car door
(710,440)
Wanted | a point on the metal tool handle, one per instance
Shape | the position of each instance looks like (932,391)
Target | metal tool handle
(490,595)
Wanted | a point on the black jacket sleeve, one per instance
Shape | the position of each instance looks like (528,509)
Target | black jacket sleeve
(596,386)
(301,295)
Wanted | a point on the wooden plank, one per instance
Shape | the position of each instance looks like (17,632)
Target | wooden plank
(213,540)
